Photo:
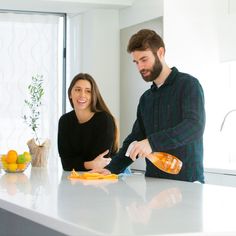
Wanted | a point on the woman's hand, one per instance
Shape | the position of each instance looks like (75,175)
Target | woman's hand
(99,162)
(101,171)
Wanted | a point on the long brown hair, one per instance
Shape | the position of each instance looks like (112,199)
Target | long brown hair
(97,103)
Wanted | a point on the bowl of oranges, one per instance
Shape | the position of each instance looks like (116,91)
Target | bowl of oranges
(12,162)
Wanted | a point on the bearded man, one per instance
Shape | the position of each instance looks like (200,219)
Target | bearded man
(170,115)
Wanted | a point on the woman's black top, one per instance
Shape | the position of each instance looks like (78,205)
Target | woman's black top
(78,143)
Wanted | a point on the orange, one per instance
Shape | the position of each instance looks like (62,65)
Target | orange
(21,166)
(11,156)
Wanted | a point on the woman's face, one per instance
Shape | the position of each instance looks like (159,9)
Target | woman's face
(81,95)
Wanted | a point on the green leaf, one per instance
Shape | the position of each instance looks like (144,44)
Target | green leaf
(36,92)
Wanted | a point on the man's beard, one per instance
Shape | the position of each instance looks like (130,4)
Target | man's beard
(155,71)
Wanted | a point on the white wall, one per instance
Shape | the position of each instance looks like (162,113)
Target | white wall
(140,11)
(94,49)
(193,25)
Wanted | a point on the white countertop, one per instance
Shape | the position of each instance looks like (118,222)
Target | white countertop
(132,205)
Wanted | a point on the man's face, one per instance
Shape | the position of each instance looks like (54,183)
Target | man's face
(148,64)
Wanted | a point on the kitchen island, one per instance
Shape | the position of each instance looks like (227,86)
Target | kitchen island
(45,201)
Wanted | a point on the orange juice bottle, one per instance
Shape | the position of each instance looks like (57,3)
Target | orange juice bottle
(166,162)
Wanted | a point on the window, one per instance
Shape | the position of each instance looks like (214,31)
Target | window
(30,43)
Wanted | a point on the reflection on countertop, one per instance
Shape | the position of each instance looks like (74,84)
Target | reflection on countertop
(134,203)
(12,183)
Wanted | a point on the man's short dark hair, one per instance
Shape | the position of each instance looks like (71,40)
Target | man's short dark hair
(145,39)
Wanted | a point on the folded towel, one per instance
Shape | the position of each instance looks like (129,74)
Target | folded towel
(90,176)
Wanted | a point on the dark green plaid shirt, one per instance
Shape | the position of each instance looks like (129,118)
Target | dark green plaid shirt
(172,117)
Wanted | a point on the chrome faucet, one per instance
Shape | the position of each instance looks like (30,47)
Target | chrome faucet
(221,127)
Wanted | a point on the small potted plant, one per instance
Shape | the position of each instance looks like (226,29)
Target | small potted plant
(38,150)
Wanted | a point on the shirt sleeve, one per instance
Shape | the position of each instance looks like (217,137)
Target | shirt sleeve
(103,135)
(192,125)
(120,161)
(68,159)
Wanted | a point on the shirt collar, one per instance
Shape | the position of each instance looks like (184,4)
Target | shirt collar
(169,80)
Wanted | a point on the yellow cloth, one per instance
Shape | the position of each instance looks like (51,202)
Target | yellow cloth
(90,176)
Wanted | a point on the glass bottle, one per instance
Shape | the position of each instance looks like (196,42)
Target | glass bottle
(166,162)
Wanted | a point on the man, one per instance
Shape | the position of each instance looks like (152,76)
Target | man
(170,115)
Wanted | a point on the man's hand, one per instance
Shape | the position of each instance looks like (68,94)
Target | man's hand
(140,149)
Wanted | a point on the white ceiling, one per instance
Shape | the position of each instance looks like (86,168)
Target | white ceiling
(65,6)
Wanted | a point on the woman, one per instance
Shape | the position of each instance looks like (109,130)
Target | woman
(87,135)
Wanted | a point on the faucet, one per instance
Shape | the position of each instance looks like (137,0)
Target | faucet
(221,127)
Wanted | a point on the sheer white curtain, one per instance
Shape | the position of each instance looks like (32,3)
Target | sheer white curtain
(29,45)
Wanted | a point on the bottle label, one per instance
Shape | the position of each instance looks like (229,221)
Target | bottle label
(166,162)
